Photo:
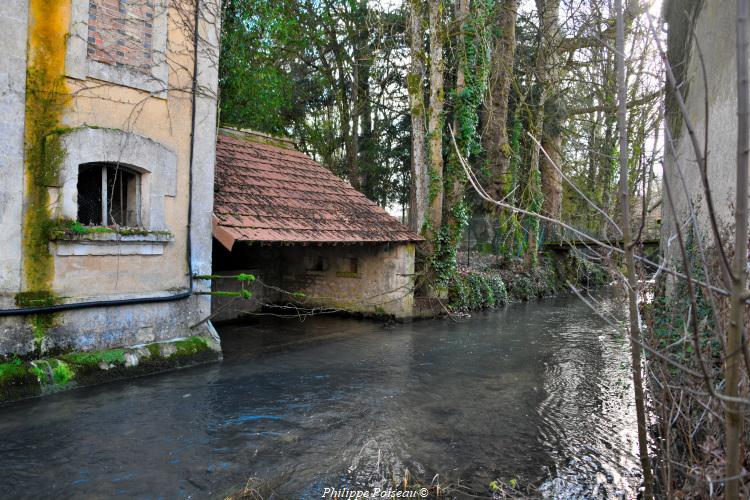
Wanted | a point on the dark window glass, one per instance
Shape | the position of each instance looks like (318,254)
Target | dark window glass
(121,197)
(90,195)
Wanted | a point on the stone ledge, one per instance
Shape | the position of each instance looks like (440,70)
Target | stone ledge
(110,243)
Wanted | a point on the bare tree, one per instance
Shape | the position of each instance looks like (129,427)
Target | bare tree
(628,245)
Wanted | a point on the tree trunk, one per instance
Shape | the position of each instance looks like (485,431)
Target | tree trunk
(435,118)
(495,123)
(733,415)
(415,87)
(353,150)
(548,125)
(454,192)
(629,246)
(552,188)
(548,35)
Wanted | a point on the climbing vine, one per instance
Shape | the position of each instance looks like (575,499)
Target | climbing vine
(474,59)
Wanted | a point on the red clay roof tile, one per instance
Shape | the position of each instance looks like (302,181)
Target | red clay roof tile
(270,194)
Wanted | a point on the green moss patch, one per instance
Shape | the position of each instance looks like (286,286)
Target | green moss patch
(62,373)
(18,379)
(112,356)
(39,298)
(21,379)
(62,229)
(190,346)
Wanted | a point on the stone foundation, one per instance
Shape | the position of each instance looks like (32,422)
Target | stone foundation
(21,378)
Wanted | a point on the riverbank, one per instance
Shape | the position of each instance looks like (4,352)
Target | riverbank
(485,281)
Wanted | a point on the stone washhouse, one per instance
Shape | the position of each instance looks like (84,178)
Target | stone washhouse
(106,190)
(311,240)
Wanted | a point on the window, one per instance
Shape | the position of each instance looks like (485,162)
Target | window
(353,265)
(320,264)
(108,194)
(348,267)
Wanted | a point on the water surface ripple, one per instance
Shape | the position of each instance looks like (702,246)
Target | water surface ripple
(538,392)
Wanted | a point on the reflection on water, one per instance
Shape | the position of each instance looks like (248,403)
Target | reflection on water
(536,392)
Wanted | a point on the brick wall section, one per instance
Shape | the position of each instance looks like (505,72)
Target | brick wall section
(121,32)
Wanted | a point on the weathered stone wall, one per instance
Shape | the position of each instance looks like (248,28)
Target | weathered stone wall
(381,281)
(720,90)
(105,328)
(107,116)
(13,25)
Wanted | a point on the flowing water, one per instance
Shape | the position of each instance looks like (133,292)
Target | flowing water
(537,392)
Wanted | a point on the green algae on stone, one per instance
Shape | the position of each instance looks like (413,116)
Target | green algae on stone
(62,373)
(18,379)
(190,346)
(94,358)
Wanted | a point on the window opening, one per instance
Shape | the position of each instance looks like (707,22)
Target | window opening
(108,194)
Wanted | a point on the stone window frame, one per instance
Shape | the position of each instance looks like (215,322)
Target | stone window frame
(156,164)
(79,66)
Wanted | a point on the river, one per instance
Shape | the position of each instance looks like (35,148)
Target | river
(537,392)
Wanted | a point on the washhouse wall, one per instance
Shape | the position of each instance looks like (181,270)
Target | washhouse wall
(370,279)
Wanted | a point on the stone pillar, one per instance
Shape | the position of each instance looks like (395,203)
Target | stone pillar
(204,152)
(13,26)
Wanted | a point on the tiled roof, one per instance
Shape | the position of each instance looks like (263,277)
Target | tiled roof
(269,194)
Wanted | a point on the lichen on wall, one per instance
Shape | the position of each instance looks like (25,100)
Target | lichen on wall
(46,97)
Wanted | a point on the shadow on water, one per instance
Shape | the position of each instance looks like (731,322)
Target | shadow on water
(537,392)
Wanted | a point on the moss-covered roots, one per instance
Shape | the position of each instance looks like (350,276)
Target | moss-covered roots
(27,378)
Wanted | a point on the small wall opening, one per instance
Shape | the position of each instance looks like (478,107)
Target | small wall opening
(320,264)
(108,194)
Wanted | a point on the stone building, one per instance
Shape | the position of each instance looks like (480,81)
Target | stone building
(106,185)
(309,237)
(705,19)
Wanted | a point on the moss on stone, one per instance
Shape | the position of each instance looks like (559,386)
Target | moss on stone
(190,346)
(18,379)
(38,298)
(66,228)
(62,373)
(154,350)
(21,379)
(46,97)
(112,356)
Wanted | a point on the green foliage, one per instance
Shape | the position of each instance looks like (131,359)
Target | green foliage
(286,68)
(466,102)
(670,316)
(257,92)
(473,291)
(511,236)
